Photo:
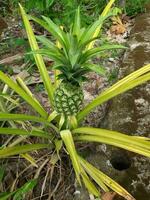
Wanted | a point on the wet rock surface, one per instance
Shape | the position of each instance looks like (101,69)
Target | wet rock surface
(129,113)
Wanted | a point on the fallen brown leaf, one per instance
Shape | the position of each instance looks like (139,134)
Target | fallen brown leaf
(108,196)
(118,29)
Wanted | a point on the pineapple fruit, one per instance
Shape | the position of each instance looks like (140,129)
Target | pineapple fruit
(68,99)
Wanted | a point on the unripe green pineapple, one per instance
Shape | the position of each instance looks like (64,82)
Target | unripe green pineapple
(68,99)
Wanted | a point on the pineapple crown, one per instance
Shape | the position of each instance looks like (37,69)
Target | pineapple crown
(72,52)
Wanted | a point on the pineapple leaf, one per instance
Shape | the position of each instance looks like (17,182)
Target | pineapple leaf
(94,51)
(89,185)
(57,32)
(88,33)
(15,131)
(103,180)
(11,151)
(83,45)
(114,138)
(12,84)
(107,8)
(134,79)
(51,27)
(93,30)
(52,116)
(61,121)
(107,12)
(82,32)
(76,24)
(38,58)
(81,72)
(20,193)
(51,53)
(97,179)
(96,68)
(47,43)
(22,117)
(30,159)
(69,143)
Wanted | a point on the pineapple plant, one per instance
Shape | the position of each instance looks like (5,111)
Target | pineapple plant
(72,58)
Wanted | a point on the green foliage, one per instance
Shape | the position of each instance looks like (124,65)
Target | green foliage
(58,131)
(63,11)
(42,6)
(20,193)
(66,10)
(133,7)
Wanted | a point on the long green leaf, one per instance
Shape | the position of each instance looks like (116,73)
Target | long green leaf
(132,80)
(8,97)
(92,52)
(15,131)
(96,68)
(54,52)
(23,94)
(98,180)
(26,89)
(55,56)
(6,195)
(19,195)
(89,185)
(89,32)
(46,42)
(107,8)
(98,175)
(3,108)
(98,29)
(118,143)
(11,151)
(69,143)
(58,33)
(21,117)
(137,141)
(51,27)
(38,58)
(114,138)
(76,24)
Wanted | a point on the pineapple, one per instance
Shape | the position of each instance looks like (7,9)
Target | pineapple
(73,59)
(68,96)
(68,99)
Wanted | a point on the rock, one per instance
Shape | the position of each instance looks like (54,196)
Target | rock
(130,112)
